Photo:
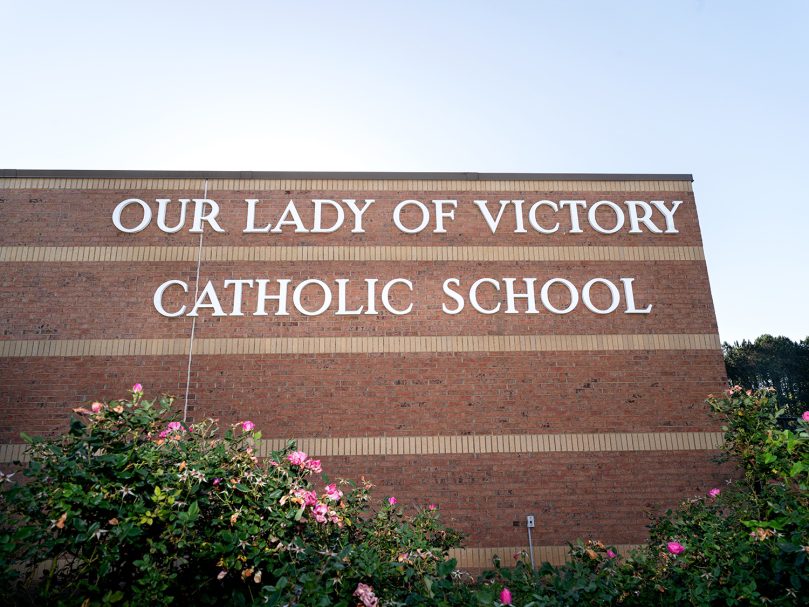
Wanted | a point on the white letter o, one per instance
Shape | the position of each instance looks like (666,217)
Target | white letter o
(425,216)
(585,296)
(116,215)
(297,293)
(574,296)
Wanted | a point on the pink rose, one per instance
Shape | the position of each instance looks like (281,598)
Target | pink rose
(137,389)
(505,596)
(432,507)
(248,426)
(96,407)
(611,554)
(392,501)
(366,595)
(313,465)
(297,458)
(675,547)
(805,416)
(171,427)
(320,511)
(309,497)
(333,493)
(714,492)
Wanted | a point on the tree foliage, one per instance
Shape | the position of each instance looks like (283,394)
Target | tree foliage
(772,362)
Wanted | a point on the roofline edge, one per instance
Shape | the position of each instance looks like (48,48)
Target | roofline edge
(338,175)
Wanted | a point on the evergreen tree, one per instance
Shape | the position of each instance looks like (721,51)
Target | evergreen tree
(776,362)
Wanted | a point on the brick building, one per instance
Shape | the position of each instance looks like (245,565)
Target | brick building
(501,344)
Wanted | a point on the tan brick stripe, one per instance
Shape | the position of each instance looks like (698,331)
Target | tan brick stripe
(354,345)
(481,558)
(479,444)
(347,253)
(346,185)
(505,443)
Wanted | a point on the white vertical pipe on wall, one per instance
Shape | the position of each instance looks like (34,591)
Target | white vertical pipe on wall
(194,319)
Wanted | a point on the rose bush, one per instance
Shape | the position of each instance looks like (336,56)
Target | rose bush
(134,507)
(746,543)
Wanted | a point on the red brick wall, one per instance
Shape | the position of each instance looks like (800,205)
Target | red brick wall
(331,394)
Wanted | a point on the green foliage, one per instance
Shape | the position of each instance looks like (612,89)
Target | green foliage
(772,362)
(132,507)
(743,544)
(593,576)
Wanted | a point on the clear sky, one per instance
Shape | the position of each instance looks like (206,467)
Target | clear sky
(716,89)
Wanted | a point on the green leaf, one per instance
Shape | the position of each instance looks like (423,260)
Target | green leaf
(193,512)
(428,586)
(447,567)
(112,597)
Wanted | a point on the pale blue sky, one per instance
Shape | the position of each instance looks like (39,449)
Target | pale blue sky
(717,89)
